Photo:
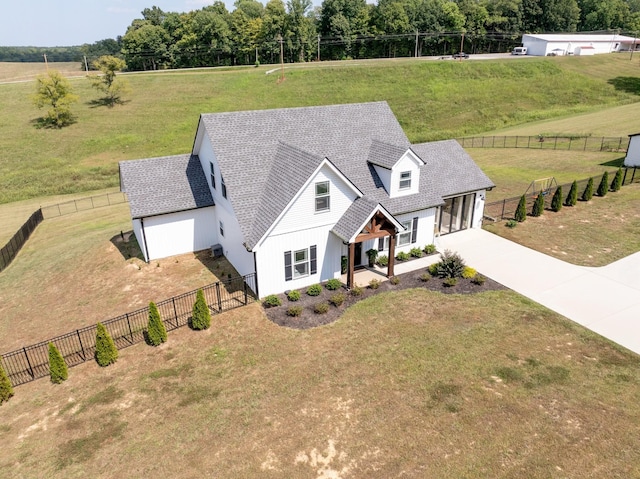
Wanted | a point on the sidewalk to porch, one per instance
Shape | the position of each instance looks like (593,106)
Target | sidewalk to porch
(363,276)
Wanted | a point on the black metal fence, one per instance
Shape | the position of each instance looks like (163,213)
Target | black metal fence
(499,210)
(83,204)
(32,362)
(11,249)
(540,142)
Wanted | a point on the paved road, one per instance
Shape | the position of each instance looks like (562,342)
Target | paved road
(605,300)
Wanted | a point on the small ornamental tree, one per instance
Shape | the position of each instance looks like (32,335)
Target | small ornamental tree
(572,197)
(54,92)
(201,317)
(587,194)
(6,390)
(58,371)
(556,201)
(156,332)
(521,210)
(603,187)
(616,184)
(538,206)
(106,351)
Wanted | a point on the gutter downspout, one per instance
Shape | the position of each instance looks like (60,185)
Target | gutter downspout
(144,240)
(255,268)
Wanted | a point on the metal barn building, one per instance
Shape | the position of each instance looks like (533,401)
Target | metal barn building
(577,44)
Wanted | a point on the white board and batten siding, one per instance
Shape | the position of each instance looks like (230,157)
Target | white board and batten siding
(176,233)
(425,227)
(478,209)
(300,227)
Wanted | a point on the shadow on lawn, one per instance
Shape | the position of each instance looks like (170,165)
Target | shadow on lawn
(626,84)
(617,163)
(127,244)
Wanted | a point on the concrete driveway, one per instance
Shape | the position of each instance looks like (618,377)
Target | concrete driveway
(605,300)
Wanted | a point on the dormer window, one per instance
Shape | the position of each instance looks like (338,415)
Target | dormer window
(322,196)
(224,187)
(213,176)
(405,180)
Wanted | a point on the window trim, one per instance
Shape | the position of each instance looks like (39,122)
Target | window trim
(322,196)
(405,177)
(221,227)
(224,186)
(213,175)
(408,225)
(305,261)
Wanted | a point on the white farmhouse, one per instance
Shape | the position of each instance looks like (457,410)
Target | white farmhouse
(288,193)
(577,44)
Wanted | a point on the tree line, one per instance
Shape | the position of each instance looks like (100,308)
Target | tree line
(338,29)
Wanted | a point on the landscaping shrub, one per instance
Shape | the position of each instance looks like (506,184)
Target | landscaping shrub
(468,272)
(451,265)
(106,351)
(478,279)
(356,291)
(395,280)
(314,290)
(587,194)
(294,311)
(156,332)
(603,187)
(337,299)
(511,224)
(616,184)
(383,260)
(372,254)
(425,277)
(293,295)
(521,210)
(433,269)
(449,282)
(6,390)
(572,197)
(374,284)
(556,201)
(415,252)
(58,370)
(321,308)
(402,256)
(538,206)
(201,316)
(430,249)
(333,284)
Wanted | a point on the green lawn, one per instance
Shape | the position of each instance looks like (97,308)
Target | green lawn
(432,100)
(410,384)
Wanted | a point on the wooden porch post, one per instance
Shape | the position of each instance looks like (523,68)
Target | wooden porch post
(351,266)
(392,255)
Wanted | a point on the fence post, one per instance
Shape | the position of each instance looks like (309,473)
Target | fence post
(244,286)
(28,363)
(555,143)
(219,298)
(504,202)
(91,198)
(493,141)
(84,358)
(108,199)
(516,141)
(175,311)
(602,144)
(126,315)
(619,143)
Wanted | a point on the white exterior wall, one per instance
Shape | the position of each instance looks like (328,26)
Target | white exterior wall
(177,233)
(385,176)
(302,210)
(633,153)
(535,46)
(270,259)
(426,226)
(478,209)
(404,164)
(137,230)
(541,47)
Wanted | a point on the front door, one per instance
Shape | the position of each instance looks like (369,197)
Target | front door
(357,255)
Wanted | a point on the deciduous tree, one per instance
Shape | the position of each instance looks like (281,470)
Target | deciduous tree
(54,91)
(113,88)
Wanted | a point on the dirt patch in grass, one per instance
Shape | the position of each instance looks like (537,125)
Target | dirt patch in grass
(309,318)
(593,233)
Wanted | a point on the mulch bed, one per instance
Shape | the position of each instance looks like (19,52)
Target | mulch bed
(310,319)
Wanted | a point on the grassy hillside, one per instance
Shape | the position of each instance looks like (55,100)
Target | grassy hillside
(432,100)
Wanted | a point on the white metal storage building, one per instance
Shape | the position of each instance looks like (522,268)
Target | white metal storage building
(577,44)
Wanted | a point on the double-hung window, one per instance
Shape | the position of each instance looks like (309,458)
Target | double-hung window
(221,228)
(405,238)
(322,196)
(300,263)
(405,180)
(224,187)
(213,176)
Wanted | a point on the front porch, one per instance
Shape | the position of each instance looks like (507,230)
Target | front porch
(363,276)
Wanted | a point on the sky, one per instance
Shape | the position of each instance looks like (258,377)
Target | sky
(49,23)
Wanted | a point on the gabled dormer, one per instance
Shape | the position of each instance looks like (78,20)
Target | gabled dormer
(397,167)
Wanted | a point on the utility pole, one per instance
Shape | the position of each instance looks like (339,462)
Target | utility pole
(46,64)
(416,53)
(281,57)
(256,56)
(318,47)
(86,67)
(462,45)
(634,45)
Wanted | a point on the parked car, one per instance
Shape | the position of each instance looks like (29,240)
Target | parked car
(519,51)
(461,55)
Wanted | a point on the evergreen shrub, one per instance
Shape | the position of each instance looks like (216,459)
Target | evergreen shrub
(58,370)
(587,194)
(106,351)
(521,210)
(538,206)
(156,332)
(616,184)
(314,290)
(293,295)
(556,201)
(200,316)
(333,284)
(6,389)
(603,187)
(383,260)
(572,197)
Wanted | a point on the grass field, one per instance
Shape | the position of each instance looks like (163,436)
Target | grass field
(16,72)
(432,100)
(410,384)
(593,233)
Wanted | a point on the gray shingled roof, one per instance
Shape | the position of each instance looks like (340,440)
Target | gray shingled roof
(385,155)
(246,142)
(357,214)
(449,168)
(157,186)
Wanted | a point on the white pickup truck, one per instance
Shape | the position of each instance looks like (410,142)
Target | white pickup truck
(519,51)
